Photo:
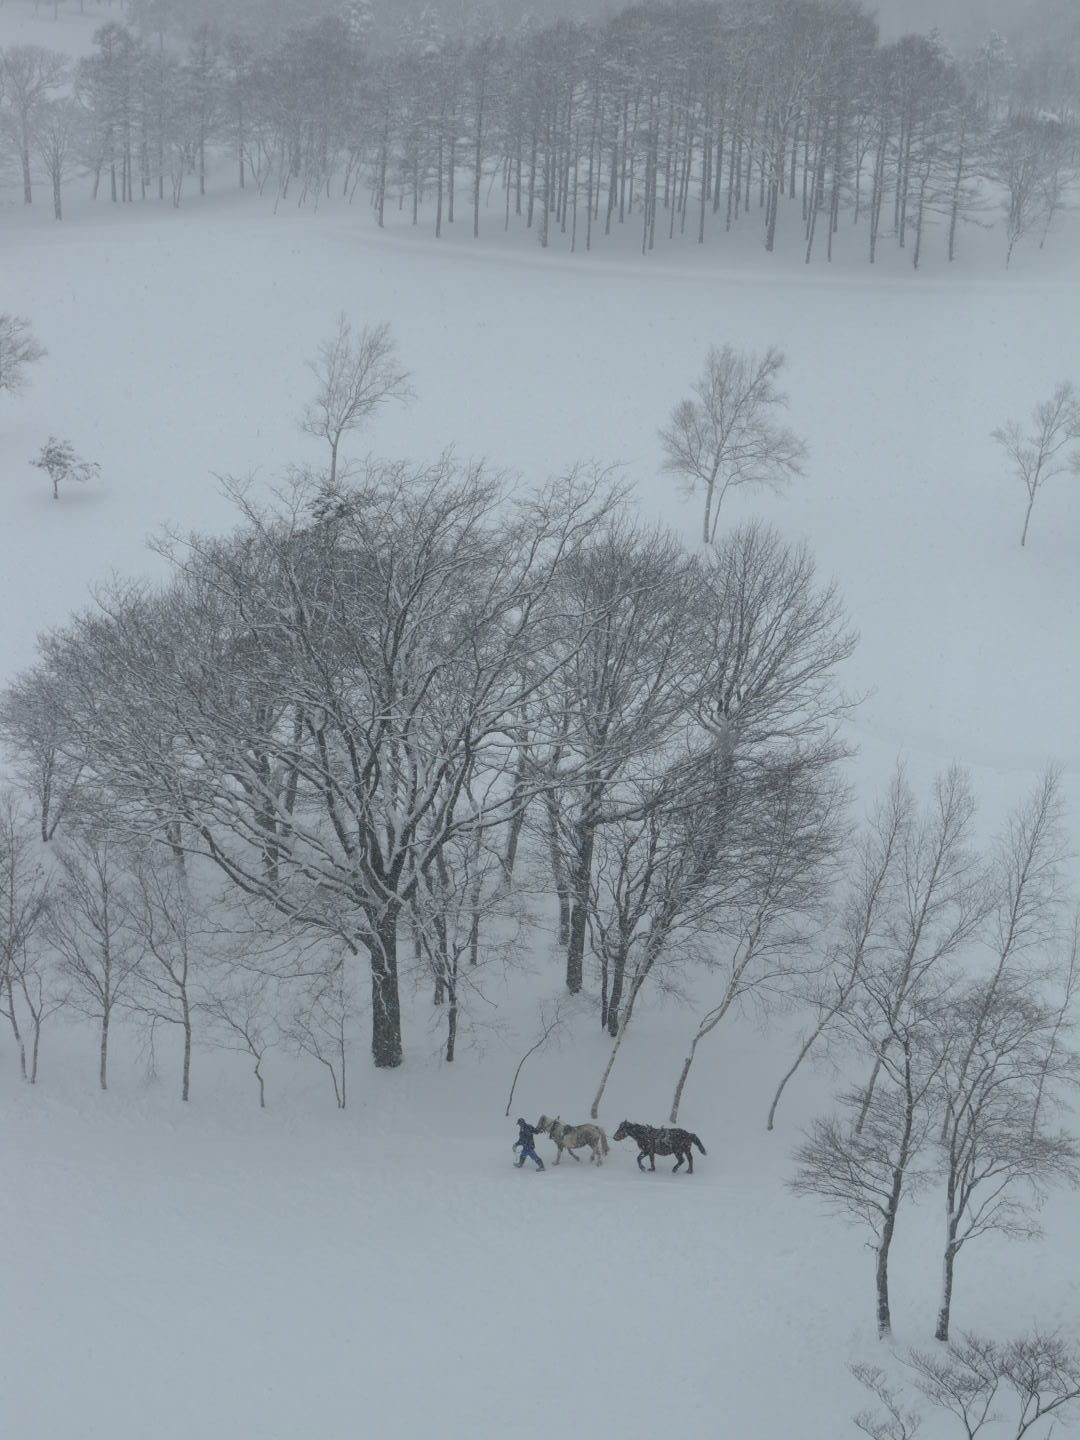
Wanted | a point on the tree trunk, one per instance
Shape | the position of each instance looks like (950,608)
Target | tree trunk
(103,1071)
(513,837)
(186,1092)
(385,999)
(677,1097)
(477,162)
(580,884)
(15,1025)
(24,155)
(948,1261)
(639,980)
(884,1318)
(618,976)
(1027,518)
(452,1016)
(808,1045)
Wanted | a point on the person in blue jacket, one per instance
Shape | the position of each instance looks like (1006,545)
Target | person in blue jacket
(526,1132)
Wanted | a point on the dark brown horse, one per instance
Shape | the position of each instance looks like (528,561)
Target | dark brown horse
(667,1140)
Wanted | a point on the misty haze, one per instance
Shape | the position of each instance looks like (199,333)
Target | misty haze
(540,719)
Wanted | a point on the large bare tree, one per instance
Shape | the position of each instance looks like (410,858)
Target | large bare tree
(337,676)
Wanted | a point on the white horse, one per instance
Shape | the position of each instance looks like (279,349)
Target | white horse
(570,1137)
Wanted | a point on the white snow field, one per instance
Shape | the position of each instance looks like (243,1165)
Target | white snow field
(190,1272)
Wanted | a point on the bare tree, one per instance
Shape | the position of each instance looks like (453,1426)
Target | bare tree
(355,374)
(1040,1370)
(861,923)
(866,1171)
(727,435)
(1041,452)
(772,932)
(1068,977)
(30,74)
(24,900)
(461,889)
(940,903)
(238,1009)
(1024,901)
(898,1421)
(18,349)
(321,1024)
(1028,159)
(866,1160)
(322,754)
(707,844)
(550,1023)
(56,143)
(174,935)
(664,872)
(43,992)
(630,638)
(45,764)
(90,927)
(1044,1373)
(964,1380)
(995,1167)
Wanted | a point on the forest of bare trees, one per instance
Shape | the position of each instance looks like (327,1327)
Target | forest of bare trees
(694,118)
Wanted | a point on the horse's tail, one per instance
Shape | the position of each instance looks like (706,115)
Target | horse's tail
(697,1142)
(603,1139)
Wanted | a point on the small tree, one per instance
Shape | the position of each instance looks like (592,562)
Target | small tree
(727,435)
(60,460)
(320,1026)
(1042,452)
(356,374)
(18,349)
(240,1019)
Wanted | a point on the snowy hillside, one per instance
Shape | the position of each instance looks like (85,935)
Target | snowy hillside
(217,1270)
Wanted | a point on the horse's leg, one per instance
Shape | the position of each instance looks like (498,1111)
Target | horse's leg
(679,1157)
(571,1153)
(690,1158)
(640,1158)
(652,1159)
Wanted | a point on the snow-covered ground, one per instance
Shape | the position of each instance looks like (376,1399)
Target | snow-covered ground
(212,1270)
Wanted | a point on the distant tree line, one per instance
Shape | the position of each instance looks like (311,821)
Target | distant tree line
(688,117)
